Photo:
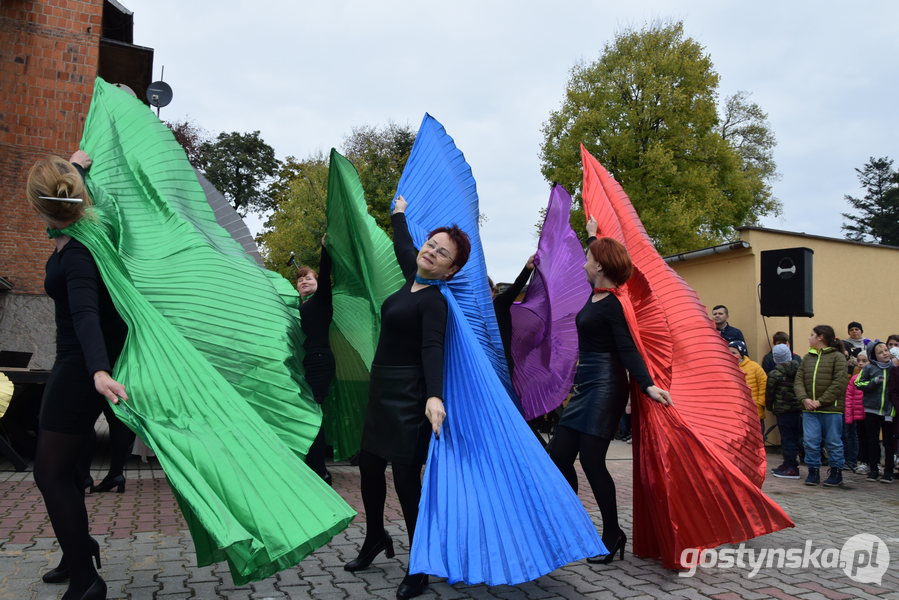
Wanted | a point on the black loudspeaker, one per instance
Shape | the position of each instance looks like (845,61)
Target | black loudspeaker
(787,282)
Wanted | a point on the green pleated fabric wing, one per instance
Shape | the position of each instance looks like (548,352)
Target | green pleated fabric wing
(365,273)
(244,320)
(211,360)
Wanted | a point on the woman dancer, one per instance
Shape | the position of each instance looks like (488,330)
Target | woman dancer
(607,354)
(89,338)
(406,386)
(316,312)
(502,304)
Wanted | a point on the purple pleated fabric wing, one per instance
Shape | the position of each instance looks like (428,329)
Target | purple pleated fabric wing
(544,337)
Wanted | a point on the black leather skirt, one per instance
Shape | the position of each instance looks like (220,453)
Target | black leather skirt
(396,428)
(599,395)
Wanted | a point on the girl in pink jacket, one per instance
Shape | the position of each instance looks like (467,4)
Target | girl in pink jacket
(855,412)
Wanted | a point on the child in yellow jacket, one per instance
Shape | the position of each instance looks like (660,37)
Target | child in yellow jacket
(756,378)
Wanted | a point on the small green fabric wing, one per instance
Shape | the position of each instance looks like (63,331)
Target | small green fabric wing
(365,273)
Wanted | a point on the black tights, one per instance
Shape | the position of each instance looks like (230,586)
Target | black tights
(56,475)
(120,441)
(406,482)
(564,448)
(85,458)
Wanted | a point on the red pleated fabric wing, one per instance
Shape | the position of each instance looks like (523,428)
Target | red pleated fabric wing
(698,465)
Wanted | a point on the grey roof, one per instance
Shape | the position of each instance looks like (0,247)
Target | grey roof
(228,218)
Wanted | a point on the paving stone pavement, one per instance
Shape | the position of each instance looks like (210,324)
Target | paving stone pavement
(147,551)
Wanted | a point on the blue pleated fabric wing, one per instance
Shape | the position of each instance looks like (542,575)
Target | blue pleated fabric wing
(440,189)
(494,508)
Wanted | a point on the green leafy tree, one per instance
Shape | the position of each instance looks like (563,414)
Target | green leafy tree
(647,110)
(875,217)
(241,166)
(301,189)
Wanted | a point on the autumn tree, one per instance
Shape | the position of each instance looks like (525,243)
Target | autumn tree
(300,193)
(298,221)
(379,156)
(875,217)
(191,137)
(647,109)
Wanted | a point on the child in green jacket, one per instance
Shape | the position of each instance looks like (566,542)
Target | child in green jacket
(821,386)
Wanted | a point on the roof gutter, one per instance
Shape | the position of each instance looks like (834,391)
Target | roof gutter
(719,249)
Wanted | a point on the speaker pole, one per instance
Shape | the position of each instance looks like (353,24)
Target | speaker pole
(791,333)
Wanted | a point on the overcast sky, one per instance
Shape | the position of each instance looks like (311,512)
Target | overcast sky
(306,73)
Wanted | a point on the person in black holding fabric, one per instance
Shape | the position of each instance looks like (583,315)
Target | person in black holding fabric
(607,355)
(89,336)
(502,305)
(406,386)
(316,312)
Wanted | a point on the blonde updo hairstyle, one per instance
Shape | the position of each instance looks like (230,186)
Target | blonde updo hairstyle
(54,177)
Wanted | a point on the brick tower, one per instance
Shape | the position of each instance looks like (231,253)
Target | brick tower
(51,51)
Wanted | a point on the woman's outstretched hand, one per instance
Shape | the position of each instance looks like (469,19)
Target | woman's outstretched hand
(400,205)
(435,413)
(659,395)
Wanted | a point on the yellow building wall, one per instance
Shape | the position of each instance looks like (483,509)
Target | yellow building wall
(850,282)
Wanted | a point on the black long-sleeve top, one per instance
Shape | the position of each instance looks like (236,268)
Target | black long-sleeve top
(602,327)
(86,320)
(413,324)
(316,312)
(502,305)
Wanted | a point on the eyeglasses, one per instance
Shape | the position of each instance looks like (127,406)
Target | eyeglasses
(441,252)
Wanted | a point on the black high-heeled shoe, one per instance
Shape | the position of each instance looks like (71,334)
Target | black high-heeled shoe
(116,481)
(60,573)
(96,591)
(604,559)
(412,586)
(364,559)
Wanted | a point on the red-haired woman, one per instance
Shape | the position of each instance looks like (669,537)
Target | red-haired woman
(406,386)
(607,355)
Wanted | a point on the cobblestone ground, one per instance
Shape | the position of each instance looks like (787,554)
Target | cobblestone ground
(147,551)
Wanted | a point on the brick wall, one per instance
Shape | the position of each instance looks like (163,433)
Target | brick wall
(49,53)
